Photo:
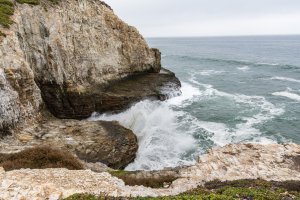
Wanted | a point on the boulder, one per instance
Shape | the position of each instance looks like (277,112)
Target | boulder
(92,142)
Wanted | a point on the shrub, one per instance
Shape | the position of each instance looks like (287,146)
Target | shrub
(131,179)
(85,197)
(40,158)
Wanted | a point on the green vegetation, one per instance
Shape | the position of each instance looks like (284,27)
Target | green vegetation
(2,34)
(87,197)
(31,2)
(54,1)
(216,190)
(132,179)
(6,10)
(40,158)
(36,2)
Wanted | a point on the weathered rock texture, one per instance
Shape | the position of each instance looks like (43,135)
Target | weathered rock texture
(68,56)
(237,161)
(105,142)
(20,99)
(122,94)
(115,97)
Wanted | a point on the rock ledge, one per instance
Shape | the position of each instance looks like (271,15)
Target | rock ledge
(232,162)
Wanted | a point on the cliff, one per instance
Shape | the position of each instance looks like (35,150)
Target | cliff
(66,54)
(60,61)
(67,60)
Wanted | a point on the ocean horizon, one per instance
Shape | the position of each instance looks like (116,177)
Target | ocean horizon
(223,36)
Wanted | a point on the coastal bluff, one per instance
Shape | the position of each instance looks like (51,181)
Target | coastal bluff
(60,62)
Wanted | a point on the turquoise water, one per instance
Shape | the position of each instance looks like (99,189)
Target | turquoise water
(234,89)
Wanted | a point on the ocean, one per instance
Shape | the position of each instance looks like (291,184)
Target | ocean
(234,90)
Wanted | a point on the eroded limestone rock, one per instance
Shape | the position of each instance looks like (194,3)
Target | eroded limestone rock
(237,161)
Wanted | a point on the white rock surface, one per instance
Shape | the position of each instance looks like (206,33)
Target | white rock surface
(237,161)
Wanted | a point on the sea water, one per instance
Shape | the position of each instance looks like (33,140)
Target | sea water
(234,90)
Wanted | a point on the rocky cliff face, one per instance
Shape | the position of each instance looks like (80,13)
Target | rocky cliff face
(66,54)
(72,59)
(20,98)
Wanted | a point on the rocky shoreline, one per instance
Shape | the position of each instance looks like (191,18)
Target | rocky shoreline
(60,65)
(62,61)
(233,162)
(105,142)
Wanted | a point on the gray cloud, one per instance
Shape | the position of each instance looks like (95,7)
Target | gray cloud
(210,17)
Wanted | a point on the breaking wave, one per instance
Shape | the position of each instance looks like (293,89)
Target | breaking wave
(162,143)
(244,68)
(285,79)
(170,136)
(288,94)
(209,72)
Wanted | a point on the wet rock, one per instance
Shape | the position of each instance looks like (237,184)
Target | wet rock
(92,142)
(78,102)
(154,86)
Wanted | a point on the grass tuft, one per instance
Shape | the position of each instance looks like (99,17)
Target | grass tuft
(40,158)
(216,190)
(6,10)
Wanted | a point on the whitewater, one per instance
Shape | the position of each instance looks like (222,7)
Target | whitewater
(233,90)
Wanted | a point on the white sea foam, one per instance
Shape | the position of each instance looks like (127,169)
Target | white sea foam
(209,72)
(286,79)
(288,94)
(246,131)
(244,68)
(167,134)
(161,142)
(270,64)
(188,93)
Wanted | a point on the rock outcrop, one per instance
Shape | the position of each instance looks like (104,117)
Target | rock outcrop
(66,57)
(122,94)
(237,161)
(74,58)
(115,97)
(101,141)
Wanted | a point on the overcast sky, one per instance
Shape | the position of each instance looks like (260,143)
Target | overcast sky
(210,17)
